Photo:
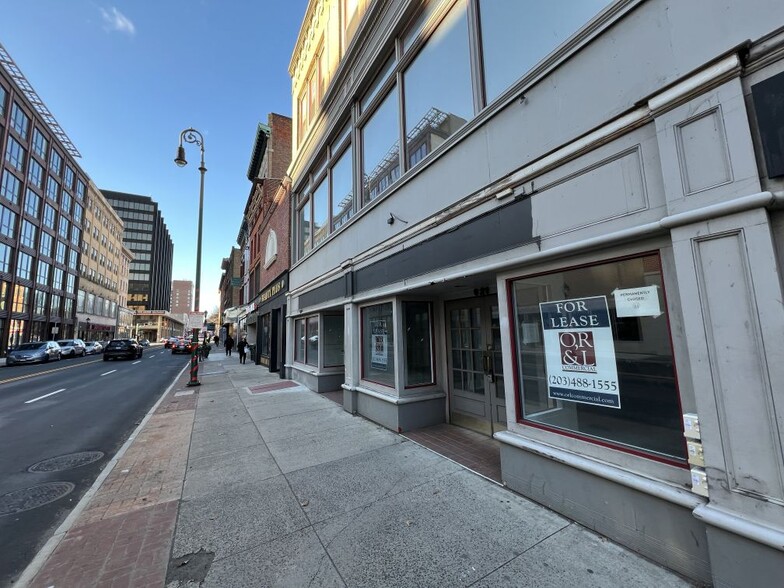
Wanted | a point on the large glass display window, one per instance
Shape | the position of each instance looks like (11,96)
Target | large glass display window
(333,340)
(378,344)
(594,357)
(419,344)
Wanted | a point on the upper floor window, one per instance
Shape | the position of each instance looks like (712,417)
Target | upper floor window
(40,144)
(271,252)
(68,178)
(5,258)
(350,19)
(380,152)
(3,100)
(15,154)
(20,122)
(28,234)
(11,187)
(7,222)
(56,162)
(80,189)
(507,29)
(49,216)
(32,205)
(35,173)
(52,188)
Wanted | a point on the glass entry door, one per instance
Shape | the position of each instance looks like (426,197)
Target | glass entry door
(476,376)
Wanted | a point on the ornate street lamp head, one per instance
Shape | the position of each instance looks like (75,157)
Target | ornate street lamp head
(180,159)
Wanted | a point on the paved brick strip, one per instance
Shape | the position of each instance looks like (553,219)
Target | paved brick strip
(123,537)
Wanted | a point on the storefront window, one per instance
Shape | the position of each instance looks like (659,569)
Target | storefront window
(594,355)
(378,344)
(419,344)
(311,354)
(333,340)
(299,340)
(265,335)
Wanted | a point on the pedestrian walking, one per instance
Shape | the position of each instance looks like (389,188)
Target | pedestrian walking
(229,344)
(241,347)
(216,339)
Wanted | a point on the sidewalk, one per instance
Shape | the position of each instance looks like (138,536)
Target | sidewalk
(249,480)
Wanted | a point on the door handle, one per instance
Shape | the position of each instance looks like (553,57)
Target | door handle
(487,358)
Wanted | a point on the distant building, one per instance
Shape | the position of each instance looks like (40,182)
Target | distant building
(182,296)
(265,239)
(43,196)
(230,287)
(146,235)
(103,272)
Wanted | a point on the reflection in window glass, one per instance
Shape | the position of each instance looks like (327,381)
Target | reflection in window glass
(311,353)
(378,344)
(342,190)
(264,339)
(5,258)
(419,349)
(321,212)
(303,230)
(574,376)
(381,77)
(517,34)
(299,340)
(7,222)
(413,31)
(438,94)
(380,151)
(333,340)
(11,187)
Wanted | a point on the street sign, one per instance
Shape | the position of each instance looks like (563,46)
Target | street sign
(55,330)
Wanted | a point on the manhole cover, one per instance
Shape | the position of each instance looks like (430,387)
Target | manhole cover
(29,498)
(66,462)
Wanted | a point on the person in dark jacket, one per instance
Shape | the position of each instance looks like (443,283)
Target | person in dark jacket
(216,339)
(241,347)
(229,344)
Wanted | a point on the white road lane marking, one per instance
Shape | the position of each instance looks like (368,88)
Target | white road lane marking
(107,373)
(45,395)
(135,362)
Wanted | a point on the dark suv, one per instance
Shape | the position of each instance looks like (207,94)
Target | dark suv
(122,348)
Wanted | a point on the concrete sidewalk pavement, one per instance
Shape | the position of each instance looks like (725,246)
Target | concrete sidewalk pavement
(249,480)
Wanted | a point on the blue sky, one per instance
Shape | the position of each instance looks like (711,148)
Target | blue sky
(123,78)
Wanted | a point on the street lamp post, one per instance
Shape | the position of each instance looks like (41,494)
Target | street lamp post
(191,135)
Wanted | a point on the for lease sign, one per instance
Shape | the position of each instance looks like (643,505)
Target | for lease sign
(579,351)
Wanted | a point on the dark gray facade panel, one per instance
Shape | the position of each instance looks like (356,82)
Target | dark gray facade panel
(500,230)
(329,291)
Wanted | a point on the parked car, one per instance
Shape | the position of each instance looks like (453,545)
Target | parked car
(144,342)
(33,352)
(72,348)
(122,349)
(182,346)
(93,347)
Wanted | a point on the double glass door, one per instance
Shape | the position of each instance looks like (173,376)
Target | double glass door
(476,376)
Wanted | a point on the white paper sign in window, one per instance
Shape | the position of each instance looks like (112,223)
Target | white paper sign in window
(579,351)
(637,301)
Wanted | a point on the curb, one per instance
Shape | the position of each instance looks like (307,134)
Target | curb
(46,551)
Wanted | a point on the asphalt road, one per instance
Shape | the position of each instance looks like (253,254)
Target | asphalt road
(57,410)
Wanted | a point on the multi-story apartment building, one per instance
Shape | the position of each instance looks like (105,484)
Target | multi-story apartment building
(561,226)
(146,235)
(231,295)
(124,314)
(100,294)
(43,196)
(266,226)
(182,297)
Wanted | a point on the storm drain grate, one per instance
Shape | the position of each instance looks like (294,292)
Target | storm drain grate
(33,497)
(66,462)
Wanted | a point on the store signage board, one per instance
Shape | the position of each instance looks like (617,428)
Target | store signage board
(579,351)
(378,353)
(637,301)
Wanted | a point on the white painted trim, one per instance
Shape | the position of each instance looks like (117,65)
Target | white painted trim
(758,532)
(396,400)
(603,470)
(698,81)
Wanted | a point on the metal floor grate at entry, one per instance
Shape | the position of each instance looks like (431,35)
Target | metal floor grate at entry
(271,387)
(473,450)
